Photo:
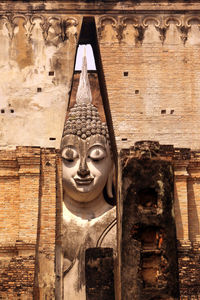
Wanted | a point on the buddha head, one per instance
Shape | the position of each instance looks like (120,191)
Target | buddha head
(86,156)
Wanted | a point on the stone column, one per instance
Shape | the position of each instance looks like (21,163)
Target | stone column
(45,277)
(29,177)
(188,251)
(181,201)
(9,199)
(194,201)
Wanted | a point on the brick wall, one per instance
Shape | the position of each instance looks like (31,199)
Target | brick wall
(189,267)
(29,199)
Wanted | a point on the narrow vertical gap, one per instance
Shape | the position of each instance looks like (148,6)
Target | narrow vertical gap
(88,35)
(70,91)
(58,256)
(104,93)
(36,270)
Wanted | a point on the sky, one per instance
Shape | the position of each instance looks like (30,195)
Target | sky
(89,55)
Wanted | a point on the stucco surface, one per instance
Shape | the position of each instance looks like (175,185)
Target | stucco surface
(36,67)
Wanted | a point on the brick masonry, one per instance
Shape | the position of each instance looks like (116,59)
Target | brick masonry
(29,200)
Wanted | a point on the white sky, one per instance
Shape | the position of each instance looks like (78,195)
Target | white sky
(90,58)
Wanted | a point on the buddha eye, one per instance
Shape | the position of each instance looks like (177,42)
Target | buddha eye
(97,153)
(69,154)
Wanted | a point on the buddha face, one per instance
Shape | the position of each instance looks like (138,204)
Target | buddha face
(86,166)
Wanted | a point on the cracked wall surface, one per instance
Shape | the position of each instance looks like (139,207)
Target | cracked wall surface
(37,56)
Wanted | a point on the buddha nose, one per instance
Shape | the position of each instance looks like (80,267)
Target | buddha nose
(83,170)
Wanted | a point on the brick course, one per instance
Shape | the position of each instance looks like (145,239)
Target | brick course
(28,200)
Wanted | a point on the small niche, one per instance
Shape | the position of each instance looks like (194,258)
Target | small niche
(52,138)
(12,111)
(148,198)
(2,111)
(137,92)
(125,74)
(124,139)
(163,111)
(51,73)
(172,111)
(152,238)
(150,269)
(39,90)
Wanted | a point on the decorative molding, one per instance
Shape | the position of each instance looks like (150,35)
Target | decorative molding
(135,21)
(162,23)
(181,171)
(60,24)
(8,23)
(102,22)
(15,20)
(194,171)
(150,19)
(55,23)
(68,23)
(43,24)
(192,19)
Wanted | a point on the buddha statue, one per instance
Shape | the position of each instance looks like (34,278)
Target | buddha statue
(87,187)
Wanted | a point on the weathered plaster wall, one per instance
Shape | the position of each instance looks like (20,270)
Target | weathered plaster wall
(37,54)
(152,59)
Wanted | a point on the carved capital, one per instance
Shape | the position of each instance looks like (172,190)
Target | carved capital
(43,24)
(142,22)
(102,23)
(69,28)
(151,20)
(5,20)
(180,170)
(17,21)
(194,171)
(134,21)
(192,20)
(60,28)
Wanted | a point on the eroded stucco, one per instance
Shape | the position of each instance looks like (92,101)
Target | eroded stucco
(36,68)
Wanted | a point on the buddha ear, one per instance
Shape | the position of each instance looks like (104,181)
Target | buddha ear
(109,182)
